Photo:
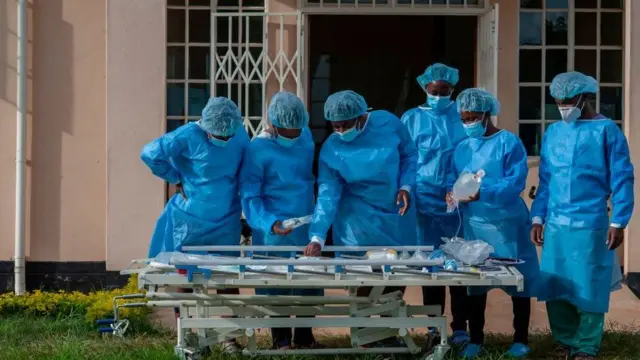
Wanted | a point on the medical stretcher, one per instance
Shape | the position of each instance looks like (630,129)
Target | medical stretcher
(206,319)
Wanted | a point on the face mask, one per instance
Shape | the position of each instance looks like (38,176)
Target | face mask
(570,113)
(218,142)
(475,130)
(438,102)
(285,142)
(350,134)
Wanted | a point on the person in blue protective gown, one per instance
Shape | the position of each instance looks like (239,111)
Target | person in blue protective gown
(367,170)
(584,163)
(366,174)
(277,184)
(436,130)
(496,214)
(203,159)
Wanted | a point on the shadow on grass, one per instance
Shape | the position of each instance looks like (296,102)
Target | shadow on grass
(71,338)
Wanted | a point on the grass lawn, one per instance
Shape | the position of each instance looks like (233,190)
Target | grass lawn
(72,338)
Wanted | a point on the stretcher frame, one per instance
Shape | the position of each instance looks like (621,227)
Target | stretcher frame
(203,317)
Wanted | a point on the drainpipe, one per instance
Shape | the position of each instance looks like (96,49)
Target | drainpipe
(21,144)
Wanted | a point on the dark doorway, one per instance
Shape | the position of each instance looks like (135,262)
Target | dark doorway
(380,57)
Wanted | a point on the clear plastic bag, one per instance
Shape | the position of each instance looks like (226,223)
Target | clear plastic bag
(467,186)
(470,252)
(316,268)
(296,222)
(386,254)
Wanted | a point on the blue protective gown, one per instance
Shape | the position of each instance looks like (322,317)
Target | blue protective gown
(276,185)
(582,165)
(500,217)
(358,185)
(209,176)
(436,134)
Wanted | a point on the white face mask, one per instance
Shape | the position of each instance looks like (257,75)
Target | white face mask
(570,113)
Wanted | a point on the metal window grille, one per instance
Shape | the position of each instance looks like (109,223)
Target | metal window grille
(223,48)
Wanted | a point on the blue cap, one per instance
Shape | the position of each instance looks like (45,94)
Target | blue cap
(438,72)
(220,117)
(571,84)
(287,111)
(478,100)
(344,105)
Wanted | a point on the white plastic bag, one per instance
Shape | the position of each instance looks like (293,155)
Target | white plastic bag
(470,252)
(296,222)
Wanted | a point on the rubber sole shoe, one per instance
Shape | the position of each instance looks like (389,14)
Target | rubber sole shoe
(471,351)
(518,351)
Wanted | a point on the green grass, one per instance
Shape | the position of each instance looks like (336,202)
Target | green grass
(72,338)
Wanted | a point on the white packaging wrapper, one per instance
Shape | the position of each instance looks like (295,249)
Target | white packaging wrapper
(294,223)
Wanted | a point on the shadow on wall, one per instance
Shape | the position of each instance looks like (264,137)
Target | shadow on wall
(53,101)
(8,43)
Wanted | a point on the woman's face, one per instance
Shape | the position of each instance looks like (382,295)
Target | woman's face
(470,117)
(439,88)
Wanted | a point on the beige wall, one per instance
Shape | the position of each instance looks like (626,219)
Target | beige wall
(8,69)
(135,115)
(508,64)
(66,198)
(631,124)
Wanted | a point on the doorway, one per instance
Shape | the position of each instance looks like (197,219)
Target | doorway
(380,57)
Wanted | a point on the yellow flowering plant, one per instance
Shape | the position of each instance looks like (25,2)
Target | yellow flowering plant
(93,306)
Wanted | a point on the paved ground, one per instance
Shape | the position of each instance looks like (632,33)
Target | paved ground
(625,309)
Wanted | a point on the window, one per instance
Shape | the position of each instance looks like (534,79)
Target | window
(189,59)
(566,35)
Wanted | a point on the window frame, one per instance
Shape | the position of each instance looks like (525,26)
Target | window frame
(571,49)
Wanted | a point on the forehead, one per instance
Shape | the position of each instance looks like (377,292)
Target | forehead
(439,84)
(471,114)
(569,101)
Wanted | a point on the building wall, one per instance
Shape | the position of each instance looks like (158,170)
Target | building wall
(135,112)
(632,126)
(66,197)
(99,68)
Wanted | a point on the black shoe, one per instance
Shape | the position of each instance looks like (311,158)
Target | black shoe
(583,356)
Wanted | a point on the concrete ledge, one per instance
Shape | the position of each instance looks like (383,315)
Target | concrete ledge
(83,276)
(633,282)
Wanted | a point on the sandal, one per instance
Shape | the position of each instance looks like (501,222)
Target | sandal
(230,347)
(562,352)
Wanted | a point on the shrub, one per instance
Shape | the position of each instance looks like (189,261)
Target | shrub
(93,306)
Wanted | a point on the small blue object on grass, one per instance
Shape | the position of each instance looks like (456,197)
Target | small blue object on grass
(518,351)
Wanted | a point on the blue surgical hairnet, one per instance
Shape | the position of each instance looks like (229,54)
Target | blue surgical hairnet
(478,100)
(344,105)
(220,117)
(437,72)
(287,111)
(570,84)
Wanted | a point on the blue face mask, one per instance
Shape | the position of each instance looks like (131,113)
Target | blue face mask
(219,142)
(350,134)
(438,102)
(285,142)
(475,130)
